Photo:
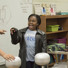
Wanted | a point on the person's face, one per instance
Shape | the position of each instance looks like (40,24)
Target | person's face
(32,23)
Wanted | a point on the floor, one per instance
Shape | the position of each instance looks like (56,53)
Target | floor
(2,66)
(60,65)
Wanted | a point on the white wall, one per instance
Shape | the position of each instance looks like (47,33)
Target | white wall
(11,15)
(62,5)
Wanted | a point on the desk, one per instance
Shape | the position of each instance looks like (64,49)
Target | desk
(59,52)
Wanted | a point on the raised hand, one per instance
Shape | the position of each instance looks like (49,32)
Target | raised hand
(12,30)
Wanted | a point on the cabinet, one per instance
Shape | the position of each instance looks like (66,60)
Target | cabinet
(61,20)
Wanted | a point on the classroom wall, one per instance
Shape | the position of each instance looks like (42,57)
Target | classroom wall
(16,17)
(12,14)
(61,5)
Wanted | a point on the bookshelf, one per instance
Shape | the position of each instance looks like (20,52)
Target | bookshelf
(61,20)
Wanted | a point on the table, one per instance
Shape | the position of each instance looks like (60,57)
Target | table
(59,52)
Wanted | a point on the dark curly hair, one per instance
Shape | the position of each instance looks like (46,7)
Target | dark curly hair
(37,17)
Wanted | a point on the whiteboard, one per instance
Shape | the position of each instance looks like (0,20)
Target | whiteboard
(13,13)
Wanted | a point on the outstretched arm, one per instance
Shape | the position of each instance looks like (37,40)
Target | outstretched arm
(2,31)
(14,35)
(6,56)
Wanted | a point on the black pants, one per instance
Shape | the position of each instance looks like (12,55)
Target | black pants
(30,64)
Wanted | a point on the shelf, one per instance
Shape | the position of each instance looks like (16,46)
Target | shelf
(57,32)
(61,20)
(55,16)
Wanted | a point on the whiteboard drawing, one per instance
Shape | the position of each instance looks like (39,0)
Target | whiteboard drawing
(5,14)
(26,7)
(26,1)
